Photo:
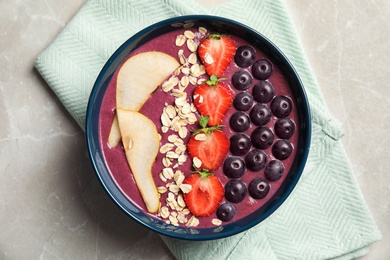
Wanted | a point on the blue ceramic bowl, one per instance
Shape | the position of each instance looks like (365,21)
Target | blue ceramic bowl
(221,25)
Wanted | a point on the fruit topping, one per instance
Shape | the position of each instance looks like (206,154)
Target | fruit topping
(262,69)
(256,160)
(141,144)
(213,99)
(281,106)
(282,149)
(263,91)
(234,167)
(206,193)
(235,190)
(284,128)
(262,137)
(216,51)
(242,80)
(240,144)
(114,136)
(140,75)
(274,170)
(132,90)
(245,56)
(258,188)
(226,211)
(243,101)
(208,144)
(239,122)
(260,114)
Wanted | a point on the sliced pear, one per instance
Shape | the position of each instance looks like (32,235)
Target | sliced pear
(141,143)
(115,136)
(140,75)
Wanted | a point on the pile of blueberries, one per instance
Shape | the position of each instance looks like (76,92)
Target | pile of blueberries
(257,108)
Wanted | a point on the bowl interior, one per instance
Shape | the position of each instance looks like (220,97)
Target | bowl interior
(221,25)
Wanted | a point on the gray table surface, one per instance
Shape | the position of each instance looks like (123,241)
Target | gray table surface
(51,204)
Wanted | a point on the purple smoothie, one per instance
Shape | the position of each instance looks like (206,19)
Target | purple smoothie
(115,157)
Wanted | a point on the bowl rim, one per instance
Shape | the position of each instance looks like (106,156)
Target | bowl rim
(96,161)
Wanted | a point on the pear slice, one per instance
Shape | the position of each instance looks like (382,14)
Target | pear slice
(140,75)
(115,136)
(141,144)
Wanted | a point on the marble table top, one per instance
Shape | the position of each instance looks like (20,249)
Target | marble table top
(53,207)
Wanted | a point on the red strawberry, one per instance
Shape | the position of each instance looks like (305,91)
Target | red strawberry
(212,149)
(213,99)
(206,194)
(216,52)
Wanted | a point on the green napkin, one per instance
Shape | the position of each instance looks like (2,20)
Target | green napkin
(325,216)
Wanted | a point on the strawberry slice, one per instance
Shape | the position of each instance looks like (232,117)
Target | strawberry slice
(209,144)
(206,194)
(216,52)
(213,99)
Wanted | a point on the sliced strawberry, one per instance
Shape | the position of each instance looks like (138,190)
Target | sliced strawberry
(213,99)
(209,145)
(206,194)
(216,52)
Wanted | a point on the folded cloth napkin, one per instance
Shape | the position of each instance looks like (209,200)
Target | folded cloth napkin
(325,216)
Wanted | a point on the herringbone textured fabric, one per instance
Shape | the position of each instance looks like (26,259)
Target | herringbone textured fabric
(325,217)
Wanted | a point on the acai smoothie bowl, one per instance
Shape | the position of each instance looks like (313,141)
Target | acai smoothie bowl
(198,127)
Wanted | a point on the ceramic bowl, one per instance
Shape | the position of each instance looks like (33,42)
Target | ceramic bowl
(102,171)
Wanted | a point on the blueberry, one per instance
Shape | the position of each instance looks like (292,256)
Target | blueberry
(239,122)
(258,188)
(256,160)
(243,101)
(245,56)
(240,144)
(234,167)
(281,106)
(262,137)
(284,128)
(274,170)
(282,149)
(260,114)
(242,80)
(263,91)
(262,69)
(226,211)
(235,190)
